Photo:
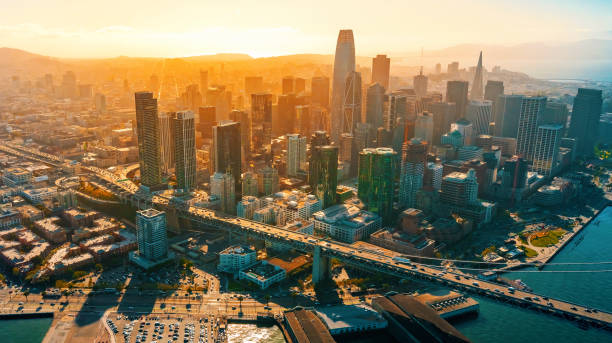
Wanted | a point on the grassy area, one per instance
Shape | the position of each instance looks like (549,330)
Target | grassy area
(528,251)
(96,192)
(547,238)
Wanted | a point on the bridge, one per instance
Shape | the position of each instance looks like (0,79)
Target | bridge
(379,260)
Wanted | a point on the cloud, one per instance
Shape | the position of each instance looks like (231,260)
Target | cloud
(115,29)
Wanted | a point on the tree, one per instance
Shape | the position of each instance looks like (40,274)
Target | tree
(26,293)
(240,299)
(267,297)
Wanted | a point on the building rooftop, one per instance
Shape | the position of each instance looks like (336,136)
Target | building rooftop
(237,250)
(150,213)
(346,316)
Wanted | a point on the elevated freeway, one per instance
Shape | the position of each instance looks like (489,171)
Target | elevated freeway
(379,260)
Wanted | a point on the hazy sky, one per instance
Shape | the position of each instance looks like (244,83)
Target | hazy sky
(85,28)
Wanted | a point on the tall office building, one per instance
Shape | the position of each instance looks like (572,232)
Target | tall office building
(506,117)
(514,177)
(100,103)
(477,85)
(375,105)
(376,181)
(319,138)
(151,234)
(191,99)
(529,119)
(344,63)
(394,108)
(459,189)
(296,154)
(381,66)
(253,84)
(203,82)
(288,85)
(261,119)
(323,173)
(465,128)
(452,68)
(299,86)
(249,184)
(548,138)
(147,129)
(443,114)
(244,119)
(351,108)
(208,119)
(420,84)
(493,89)
(166,141)
(423,128)
(267,181)
(227,150)
(222,185)
(69,85)
(183,124)
(555,113)
(286,113)
(479,113)
(412,169)
(586,115)
(457,92)
(364,136)
(319,91)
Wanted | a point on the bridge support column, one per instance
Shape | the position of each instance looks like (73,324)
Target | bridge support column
(320,266)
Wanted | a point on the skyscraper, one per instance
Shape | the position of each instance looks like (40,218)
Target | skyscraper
(423,128)
(222,185)
(147,129)
(288,85)
(351,108)
(493,89)
(296,154)
(412,169)
(375,105)
(299,86)
(253,84)
(261,119)
(585,119)
(208,119)
(506,117)
(548,138)
(183,124)
(443,115)
(244,119)
(529,119)
(203,82)
(459,189)
(323,173)
(320,91)
(227,150)
(344,63)
(420,84)
(381,65)
(479,113)
(166,142)
(286,113)
(457,92)
(151,234)
(267,181)
(376,181)
(477,85)
(394,108)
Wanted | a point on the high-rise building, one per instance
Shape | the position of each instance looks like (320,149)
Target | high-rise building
(267,181)
(286,113)
(420,84)
(351,108)
(299,86)
(227,150)
(555,113)
(364,136)
(296,154)
(151,234)
(261,119)
(452,68)
(457,92)
(381,66)
(493,89)
(412,169)
(69,85)
(319,138)
(586,115)
(459,189)
(249,184)
(423,128)
(506,117)
(548,138)
(479,113)
(477,85)
(208,119)
(514,177)
(183,125)
(222,185)
(344,63)
(244,119)
(100,103)
(376,181)
(323,173)
(253,84)
(443,115)
(166,141)
(303,120)
(394,108)
(147,129)
(288,85)
(203,82)
(191,99)
(375,105)
(531,112)
(320,91)
(466,128)
(438,68)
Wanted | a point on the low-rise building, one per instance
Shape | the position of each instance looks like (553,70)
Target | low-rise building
(263,274)
(346,223)
(9,218)
(236,258)
(38,195)
(344,319)
(50,229)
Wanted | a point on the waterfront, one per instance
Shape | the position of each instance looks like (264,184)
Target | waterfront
(251,333)
(24,330)
(507,323)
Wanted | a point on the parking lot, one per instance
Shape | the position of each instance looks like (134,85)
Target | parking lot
(165,328)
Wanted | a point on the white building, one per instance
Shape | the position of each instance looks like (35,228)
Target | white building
(222,185)
(247,206)
(296,154)
(346,223)
(236,258)
(546,148)
(263,274)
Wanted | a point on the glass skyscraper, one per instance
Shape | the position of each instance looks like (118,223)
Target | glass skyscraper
(376,181)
